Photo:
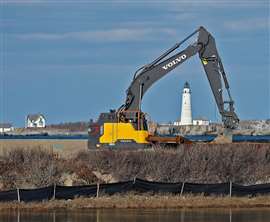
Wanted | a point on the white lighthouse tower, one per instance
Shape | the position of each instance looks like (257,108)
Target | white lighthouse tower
(186,114)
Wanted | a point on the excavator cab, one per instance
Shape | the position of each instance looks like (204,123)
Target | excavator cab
(124,129)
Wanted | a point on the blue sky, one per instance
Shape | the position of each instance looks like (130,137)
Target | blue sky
(72,60)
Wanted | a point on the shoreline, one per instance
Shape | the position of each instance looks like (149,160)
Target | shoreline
(132,201)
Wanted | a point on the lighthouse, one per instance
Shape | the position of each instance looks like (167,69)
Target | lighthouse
(186,113)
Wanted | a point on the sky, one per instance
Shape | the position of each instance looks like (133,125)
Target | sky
(71,60)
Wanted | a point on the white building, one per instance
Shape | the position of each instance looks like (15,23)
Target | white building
(201,122)
(35,121)
(6,127)
(186,112)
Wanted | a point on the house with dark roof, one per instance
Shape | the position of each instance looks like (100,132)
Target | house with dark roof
(35,121)
(6,127)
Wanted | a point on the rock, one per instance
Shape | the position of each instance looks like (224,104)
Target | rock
(221,140)
(225,137)
(70,179)
(1,186)
(107,178)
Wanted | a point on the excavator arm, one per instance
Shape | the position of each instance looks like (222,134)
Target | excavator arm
(205,46)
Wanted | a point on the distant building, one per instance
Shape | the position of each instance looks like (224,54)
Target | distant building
(35,121)
(6,127)
(177,123)
(201,122)
(186,111)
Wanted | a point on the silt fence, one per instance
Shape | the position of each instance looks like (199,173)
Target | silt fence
(137,186)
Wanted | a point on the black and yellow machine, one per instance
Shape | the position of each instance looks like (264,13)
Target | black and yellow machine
(127,126)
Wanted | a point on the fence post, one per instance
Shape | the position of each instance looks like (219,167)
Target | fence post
(18,195)
(18,216)
(134,180)
(54,190)
(182,188)
(97,190)
(230,188)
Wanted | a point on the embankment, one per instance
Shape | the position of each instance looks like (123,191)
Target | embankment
(197,163)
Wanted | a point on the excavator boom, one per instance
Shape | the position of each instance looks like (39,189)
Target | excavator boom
(205,46)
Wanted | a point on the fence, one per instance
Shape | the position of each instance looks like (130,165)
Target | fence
(136,185)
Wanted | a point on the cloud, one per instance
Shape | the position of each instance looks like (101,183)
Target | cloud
(248,24)
(112,35)
(6,22)
(173,5)
(22,1)
(191,5)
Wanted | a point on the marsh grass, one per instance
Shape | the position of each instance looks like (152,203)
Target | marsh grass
(131,201)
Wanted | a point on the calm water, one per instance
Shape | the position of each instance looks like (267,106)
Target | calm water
(236,138)
(119,215)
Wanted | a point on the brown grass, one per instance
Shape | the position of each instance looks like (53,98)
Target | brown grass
(65,148)
(143,201)
(197,163)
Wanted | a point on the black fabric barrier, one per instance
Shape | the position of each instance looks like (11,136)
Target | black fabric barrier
(113,188)
(40,194)
(10,195)
(253,190)
(138,185)
(156,187)
(64,192)
(207,189)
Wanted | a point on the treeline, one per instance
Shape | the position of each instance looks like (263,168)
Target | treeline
(199,163)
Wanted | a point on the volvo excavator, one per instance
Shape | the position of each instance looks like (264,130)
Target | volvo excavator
(127,126)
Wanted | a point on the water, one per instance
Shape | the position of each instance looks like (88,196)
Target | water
(140,215)
(236,138)
(204,138)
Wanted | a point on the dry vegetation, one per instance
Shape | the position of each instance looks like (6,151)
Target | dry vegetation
(70,126)
(143,201)
(65,148)
(200,163)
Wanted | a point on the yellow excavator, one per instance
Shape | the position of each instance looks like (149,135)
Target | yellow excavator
(127,127)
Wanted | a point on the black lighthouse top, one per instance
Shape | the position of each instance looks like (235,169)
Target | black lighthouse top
(186,86)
